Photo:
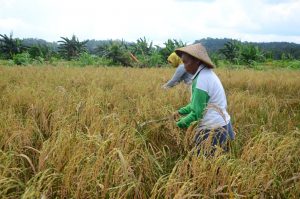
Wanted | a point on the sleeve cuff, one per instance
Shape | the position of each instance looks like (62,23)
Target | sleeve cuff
(180,112)
(181,124)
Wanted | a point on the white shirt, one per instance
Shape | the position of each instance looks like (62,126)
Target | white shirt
(216,114)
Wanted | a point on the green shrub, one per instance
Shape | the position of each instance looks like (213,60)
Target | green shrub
(116,52)
(156,59)
(38,60)
(294,64)
(87,59)
(153,60)
(102,61)
(7,62)
(22,58)
(290,64)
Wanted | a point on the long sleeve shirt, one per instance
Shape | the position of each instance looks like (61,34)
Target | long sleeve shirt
(180,75)
(208,101)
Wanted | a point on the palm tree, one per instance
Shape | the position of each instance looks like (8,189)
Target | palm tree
(231,51)
(71,48)
(10,47)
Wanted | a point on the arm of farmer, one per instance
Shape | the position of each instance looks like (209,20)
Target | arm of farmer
(195,109)
(176,77)
(185,110)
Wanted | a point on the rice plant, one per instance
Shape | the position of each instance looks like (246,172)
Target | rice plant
(68,132)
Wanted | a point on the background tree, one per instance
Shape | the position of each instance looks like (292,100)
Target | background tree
(144,51)
(71,48)
(117,51)
(41,51)
(10,46)
(142,47)
(251,54)
(170,46)
(232,51)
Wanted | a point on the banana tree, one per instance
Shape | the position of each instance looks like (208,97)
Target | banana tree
(142,47)
(170,46)
(116,51)
(232,51)
(251,54)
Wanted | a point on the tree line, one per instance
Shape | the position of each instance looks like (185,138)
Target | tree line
(272,50)
(141,53)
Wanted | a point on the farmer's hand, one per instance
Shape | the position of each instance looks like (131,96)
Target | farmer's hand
(165,87)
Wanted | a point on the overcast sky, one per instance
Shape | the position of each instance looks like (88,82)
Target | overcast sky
(157,20)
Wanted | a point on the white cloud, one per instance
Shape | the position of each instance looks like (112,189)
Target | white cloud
(256,20)
(11,23)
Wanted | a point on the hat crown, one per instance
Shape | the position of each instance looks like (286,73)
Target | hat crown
(198,51)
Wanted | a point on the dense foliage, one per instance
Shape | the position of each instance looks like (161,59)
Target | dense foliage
(141,53)
(10,46)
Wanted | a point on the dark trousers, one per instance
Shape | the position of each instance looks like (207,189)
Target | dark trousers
(206,140)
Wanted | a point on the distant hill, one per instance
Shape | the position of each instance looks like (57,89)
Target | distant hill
(34,41)
(276,48)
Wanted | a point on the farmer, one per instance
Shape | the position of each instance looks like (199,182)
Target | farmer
(208,101)
(180,74)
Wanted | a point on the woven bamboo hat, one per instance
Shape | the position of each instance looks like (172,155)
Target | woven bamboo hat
(198,51)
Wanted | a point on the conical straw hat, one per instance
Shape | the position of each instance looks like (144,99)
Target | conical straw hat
(198,51)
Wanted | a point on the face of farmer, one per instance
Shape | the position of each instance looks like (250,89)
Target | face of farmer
(191,64)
